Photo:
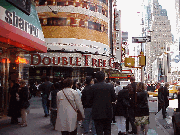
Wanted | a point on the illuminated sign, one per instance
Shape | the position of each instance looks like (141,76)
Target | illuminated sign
(72,60)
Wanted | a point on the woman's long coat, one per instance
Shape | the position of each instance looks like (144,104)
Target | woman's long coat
(14,105)
(66,115)
(123,103)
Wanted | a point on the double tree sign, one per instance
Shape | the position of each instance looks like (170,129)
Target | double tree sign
(23,5)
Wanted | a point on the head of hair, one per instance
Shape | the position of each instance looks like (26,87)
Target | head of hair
(132,78)
(118,82)
(95,80)
(166,84)
(79,85)
(67,82)
(47,78)
(56,85)
(74,83)
(140,87)
(22,82)
(100,76)
(88,79)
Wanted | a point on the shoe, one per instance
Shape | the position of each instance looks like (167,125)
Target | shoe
(20,123)
(46,115)
(130,132)
(24,125)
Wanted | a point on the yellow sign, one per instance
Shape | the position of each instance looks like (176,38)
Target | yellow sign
(129,62)
(142,61)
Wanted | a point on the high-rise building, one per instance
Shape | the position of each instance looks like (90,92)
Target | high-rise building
(159,28)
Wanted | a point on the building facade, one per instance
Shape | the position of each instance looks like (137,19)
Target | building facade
(20,34)
(159,28)
(77,36)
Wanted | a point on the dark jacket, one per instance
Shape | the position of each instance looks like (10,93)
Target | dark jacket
(163,94)
(101,97)
(122,104)
(45,87)
(23,98)
(14,106)
(142,108)
(86,97)
(178,96)
(53,98)
(132,92)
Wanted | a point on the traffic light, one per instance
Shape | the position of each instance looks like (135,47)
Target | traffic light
(142,60)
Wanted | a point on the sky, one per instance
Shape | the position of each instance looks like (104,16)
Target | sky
(131,20)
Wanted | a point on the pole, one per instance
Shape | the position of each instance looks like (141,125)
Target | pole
(142,70)
(110,16)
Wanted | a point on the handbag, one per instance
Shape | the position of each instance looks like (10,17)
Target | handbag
(79,115)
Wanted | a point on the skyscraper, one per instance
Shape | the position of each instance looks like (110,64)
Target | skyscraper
(159,29)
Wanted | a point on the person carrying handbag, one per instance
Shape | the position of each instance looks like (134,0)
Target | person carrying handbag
(68,104)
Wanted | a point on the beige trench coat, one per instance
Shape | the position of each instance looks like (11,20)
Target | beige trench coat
(66,115)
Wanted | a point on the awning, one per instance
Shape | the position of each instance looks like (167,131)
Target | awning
(18,29)
(18,38)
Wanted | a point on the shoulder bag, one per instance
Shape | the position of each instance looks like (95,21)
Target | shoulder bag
(79,115)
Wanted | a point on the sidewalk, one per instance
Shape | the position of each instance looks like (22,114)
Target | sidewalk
(39,125)
(165,124)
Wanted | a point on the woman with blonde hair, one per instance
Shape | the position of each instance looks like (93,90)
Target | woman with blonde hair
(141,108)
(22,97)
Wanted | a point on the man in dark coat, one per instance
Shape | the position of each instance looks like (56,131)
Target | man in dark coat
(14,110)
(132,90)
(101,97)
(87,106)
(163,101)
(45,88)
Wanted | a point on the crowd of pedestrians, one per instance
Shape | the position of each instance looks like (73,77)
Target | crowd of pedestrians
(100,102)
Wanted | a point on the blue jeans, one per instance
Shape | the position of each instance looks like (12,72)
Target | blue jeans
(88,117)
(44,104)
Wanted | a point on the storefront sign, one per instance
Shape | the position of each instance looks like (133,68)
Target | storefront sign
(20,23)
(72,60)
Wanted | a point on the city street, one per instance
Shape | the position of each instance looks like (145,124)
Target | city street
(37,124)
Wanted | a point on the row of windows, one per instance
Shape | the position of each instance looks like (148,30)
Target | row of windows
(50,2)
(57,2)
(87,5)
(74,22)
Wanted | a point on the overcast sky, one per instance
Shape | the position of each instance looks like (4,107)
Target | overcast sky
(131,19)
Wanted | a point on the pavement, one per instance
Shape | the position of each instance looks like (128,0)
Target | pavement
(165,124)
(39,125)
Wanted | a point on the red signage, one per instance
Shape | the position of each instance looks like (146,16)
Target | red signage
(84,61)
